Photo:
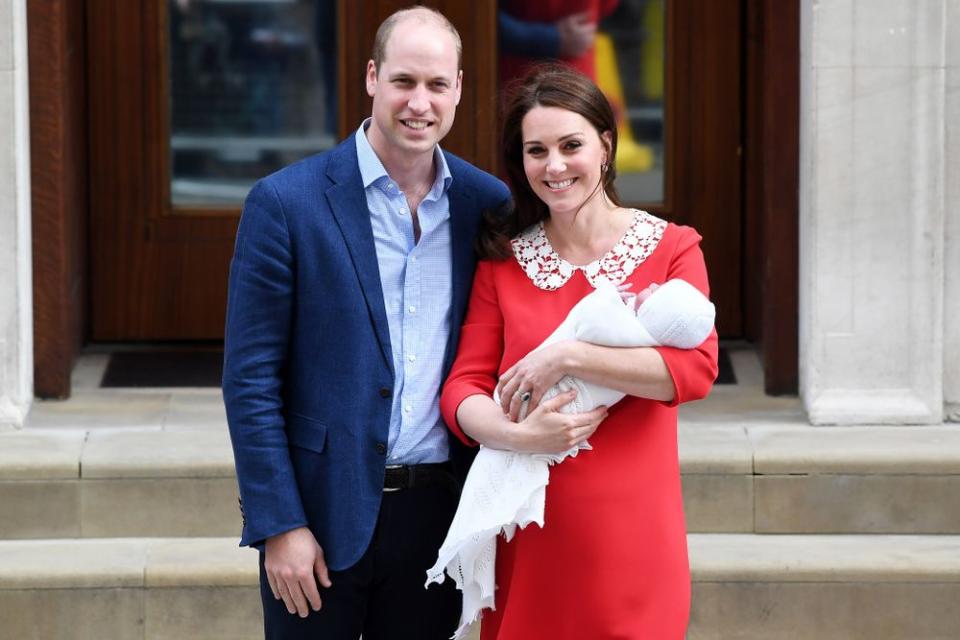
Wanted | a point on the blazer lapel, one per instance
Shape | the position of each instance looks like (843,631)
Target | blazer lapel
(463,227)
(349,206)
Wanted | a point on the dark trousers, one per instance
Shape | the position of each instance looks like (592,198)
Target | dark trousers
(382,596)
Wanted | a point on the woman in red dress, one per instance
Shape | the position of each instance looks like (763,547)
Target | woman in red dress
(611,560)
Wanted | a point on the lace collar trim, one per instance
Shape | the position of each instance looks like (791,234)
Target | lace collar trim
(549,271)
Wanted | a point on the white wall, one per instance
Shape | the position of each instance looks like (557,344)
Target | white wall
(16,293)
(872,212)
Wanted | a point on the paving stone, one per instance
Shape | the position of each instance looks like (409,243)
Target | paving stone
(158,454)
(72,564)
(857,503)
(71,614)
(40,455)
(196,410)
(101,409)
(786,449)
(159,507)
(39,509)
(718,503)
(714,449)
(824,611)
(204,613)
(173,563)
(824,558)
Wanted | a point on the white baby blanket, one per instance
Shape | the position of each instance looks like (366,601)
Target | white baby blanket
(506,489)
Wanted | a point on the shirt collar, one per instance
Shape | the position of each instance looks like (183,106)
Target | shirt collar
(372,170)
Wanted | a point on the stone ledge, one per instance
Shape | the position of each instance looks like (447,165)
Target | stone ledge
(126,562)
(723,557)
(715,557)
(158,454)
(927,450)
(40,456)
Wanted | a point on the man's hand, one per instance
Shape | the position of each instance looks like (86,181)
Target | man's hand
(294,563)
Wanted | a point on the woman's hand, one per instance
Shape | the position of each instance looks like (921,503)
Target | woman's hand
(546,430)
(534,375)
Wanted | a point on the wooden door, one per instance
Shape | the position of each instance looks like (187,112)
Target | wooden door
(159,269)
(158,272)
(702,165)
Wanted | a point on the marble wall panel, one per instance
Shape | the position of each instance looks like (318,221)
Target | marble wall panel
(6,35)
(872,211)
(831,23)
(894,33)
(16,328)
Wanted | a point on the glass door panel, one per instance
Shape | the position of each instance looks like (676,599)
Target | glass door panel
(252,88)
(630,69)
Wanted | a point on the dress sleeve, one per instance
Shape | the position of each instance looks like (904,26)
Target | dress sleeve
(692,370)
(480,351)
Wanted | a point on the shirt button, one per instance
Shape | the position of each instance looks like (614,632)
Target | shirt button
(412,358)
(381,448)
(413,259)
(384,392)
(412,309)
(408,408)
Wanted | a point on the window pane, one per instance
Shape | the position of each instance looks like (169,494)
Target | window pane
(630,70)
(253,87)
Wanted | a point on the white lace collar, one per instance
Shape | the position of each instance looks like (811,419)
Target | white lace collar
(549,271)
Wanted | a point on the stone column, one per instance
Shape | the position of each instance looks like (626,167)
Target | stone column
(872,210)
(16,291)
(951,310)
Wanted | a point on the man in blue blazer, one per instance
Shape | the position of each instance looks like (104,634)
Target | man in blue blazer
(348,286)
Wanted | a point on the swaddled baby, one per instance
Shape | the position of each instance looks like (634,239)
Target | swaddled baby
(506,489)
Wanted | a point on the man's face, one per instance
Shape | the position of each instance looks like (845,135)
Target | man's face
(416,89)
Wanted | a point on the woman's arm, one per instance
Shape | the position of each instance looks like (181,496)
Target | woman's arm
(545,430)
(636,371)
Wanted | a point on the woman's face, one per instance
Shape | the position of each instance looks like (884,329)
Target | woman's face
(562,156)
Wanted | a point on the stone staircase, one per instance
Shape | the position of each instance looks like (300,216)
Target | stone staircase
(118,520)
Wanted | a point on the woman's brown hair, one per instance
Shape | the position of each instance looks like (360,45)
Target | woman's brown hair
(550,85)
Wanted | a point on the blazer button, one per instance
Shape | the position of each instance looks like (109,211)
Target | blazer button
(381,448)
(384,392)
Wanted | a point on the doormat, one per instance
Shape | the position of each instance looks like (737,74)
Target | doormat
(185,368)
(725,375)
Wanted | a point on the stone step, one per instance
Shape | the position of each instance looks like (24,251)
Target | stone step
(758,478)
(794,587)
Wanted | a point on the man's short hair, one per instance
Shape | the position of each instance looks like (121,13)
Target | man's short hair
(421,13)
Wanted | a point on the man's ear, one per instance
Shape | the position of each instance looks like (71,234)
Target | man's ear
(371,78)
(459,85)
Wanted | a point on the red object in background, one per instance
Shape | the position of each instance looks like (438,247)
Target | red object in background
(513,66)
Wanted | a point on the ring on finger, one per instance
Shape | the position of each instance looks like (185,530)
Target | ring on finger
(523,396)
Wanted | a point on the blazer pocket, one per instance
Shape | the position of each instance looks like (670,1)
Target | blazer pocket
(306,433)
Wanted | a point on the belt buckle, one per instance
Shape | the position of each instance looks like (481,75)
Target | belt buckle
(392,489)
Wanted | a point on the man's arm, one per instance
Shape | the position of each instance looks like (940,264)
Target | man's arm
(259,307)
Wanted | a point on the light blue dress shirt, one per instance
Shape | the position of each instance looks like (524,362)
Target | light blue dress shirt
(417,287)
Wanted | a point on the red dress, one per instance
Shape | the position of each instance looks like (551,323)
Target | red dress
(611,560)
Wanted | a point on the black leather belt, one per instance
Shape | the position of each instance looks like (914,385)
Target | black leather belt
(408,476)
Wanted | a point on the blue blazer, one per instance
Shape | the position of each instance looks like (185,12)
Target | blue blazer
(308,374)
